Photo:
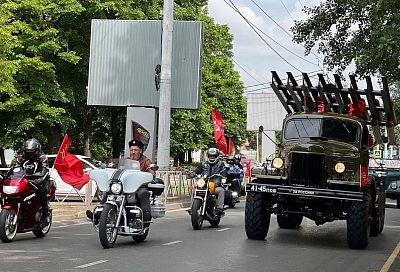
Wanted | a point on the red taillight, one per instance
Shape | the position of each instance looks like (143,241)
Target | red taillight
(364,176)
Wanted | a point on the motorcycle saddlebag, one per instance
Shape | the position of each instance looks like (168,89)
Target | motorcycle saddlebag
(157,187)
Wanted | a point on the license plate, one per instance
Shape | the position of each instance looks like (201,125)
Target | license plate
(261,188)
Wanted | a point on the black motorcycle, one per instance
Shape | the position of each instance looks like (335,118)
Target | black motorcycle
(204,201)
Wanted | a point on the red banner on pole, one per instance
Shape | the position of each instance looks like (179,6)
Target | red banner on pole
(231,147)
(219,130)
(69,167)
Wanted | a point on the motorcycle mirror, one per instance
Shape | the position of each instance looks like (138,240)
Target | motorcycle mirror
(260,128)
(153,166)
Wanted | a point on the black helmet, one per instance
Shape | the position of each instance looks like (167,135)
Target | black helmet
(212,155)
(32,149)
(238,157)
(230,160)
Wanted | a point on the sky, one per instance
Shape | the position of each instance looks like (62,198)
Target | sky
(253,58)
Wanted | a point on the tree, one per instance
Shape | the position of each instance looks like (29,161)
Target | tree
(366,32)
(31,98)
(221,89)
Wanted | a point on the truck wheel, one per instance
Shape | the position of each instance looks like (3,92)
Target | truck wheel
(398,202)
(378,218)
(289,221)
(357,224)
(257,218)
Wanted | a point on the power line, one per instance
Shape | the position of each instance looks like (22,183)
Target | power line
(237,10)
(284,30)
(310,74)
(287,10)
(283,46)
(247,72)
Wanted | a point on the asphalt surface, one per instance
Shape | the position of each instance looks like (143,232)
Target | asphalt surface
(172,245)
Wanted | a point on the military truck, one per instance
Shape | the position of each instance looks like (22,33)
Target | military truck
(321,169)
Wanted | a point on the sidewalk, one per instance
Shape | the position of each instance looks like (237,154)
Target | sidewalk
(70,210)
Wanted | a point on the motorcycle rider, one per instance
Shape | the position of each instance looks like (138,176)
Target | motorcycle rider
(234,168)
(238,158)
(36,167)
(210,167)
(136,153)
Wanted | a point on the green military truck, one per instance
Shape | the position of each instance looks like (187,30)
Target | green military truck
(321,169)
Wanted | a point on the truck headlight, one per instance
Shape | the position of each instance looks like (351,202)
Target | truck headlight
(277,163)
(393,185)
(339,167)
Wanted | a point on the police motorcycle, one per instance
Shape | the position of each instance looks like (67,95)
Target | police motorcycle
(204,201)
(121,214)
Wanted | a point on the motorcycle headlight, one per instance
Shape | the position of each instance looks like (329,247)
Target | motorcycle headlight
(200,183)
(393,185)
(9,189)
(277,163)
(116,188)
(340,167)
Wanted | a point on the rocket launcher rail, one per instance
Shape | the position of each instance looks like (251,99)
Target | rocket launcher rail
(374,106)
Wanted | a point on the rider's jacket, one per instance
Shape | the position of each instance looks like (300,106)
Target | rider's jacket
(38,167)
(234,168)
(205,168)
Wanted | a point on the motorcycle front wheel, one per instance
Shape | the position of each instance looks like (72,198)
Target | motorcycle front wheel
(195,215)
(108,229)
(43,228)
(8,229)
(142,237)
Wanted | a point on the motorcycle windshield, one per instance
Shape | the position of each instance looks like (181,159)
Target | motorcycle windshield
(17,173)
(131,179)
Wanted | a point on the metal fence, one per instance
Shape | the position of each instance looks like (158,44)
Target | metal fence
(178,185)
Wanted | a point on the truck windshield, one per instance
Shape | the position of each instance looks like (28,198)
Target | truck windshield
(329,128)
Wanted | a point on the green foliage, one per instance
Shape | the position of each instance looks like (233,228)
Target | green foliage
(44,60)
(221,89)
(363,31)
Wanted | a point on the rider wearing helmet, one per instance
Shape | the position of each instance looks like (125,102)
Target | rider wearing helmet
(35,164)
(236,170)
(210,167)
(237,161)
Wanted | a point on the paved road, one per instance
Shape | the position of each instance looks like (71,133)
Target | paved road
(172,245)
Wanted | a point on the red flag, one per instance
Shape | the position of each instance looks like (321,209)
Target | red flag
(219,129)
(231,147)
(69,167)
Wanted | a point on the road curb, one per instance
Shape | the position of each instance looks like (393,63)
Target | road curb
(71,211)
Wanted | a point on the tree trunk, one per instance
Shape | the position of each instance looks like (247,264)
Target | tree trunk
(190,159)
(2,158)
(117,131)
(53,139)
(88,131)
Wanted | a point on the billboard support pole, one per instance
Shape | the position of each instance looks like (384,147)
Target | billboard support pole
(163,148)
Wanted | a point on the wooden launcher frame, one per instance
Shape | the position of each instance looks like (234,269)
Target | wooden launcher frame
(337,99)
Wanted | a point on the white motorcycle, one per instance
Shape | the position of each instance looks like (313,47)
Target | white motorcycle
(121,214)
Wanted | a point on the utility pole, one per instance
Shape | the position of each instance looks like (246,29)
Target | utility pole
(164,113)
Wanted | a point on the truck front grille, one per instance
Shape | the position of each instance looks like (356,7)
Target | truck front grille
(307,169)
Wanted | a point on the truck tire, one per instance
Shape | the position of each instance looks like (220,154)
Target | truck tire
(398,202)
(257,218)
(378,216)
(358,224)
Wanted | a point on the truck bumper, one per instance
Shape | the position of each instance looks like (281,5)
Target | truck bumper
(304,192)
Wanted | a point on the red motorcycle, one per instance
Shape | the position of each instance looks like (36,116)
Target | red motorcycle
(21,210)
